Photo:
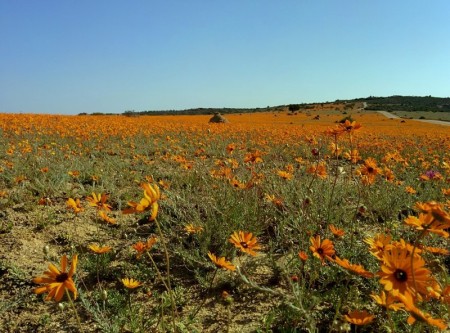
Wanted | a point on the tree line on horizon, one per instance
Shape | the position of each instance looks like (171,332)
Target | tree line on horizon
(391,103)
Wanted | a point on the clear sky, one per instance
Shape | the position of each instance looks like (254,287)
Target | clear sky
(69,57)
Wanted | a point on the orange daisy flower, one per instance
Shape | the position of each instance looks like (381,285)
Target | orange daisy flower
(436,250)
(106,218)
(221,262)
(378,244)
(445,296)
(75,205)
(141,247)
(387,301)
(303,256)
(402,274)
(245,242)
(417,314)
(322,250)
(278,202)
(357,269)
(253,157)
(350,126)
(193,229)
(369,171)
(149,202)
(353,156)
(359,317)
(336,231)
(436,210)
(410,190)
(99,250)
(428,224)
(285,175)
(319,170)
(99,201)
(131,283)
(57,281)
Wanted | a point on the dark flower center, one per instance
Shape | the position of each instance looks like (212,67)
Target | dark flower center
(370,169)
(244,245)
(320,251)
(400,275)
(62,277)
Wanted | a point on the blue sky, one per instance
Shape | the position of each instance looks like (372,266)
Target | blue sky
(68,57)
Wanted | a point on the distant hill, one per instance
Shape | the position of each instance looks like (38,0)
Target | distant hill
(202,111)
(407,103)
(392,103)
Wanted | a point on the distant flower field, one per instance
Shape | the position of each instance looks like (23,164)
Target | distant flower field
(319,220)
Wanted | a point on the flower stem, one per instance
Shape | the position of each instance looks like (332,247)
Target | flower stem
(192,316)
(74,310)
(168,286)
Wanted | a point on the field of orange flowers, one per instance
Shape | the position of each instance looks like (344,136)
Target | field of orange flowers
(322,220)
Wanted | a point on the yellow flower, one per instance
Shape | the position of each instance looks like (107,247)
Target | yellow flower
(353,156)
(56,281)
(131,283)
